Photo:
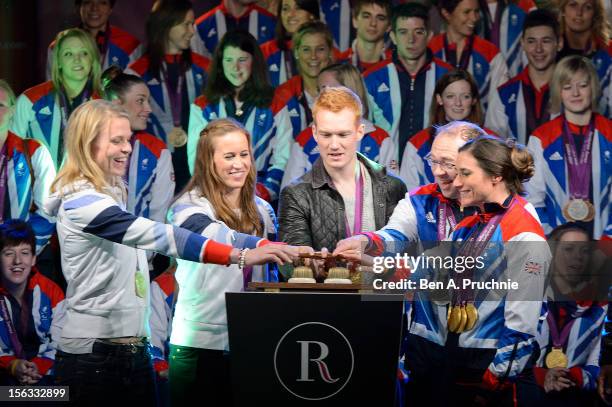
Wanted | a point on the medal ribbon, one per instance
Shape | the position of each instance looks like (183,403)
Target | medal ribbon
(3,178)
(451,54)
(474,246)
(445,213)
(175,96)
(11,329)
(559,340)
(358,204)
(579,168)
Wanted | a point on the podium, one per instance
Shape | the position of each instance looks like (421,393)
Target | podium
(307,348)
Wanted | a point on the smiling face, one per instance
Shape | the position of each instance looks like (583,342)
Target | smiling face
(136,103)
(541,46)
(410,37)
(576,94)
(17,262)
(475,187)
(313,54)
(464,18)
(232,159)
(111,149)
(578,15)
(237,66)
(338,136)
(292,16)
(371,23)
(75,61)
(457,100)
(180,35)
(95,13)
(444,155)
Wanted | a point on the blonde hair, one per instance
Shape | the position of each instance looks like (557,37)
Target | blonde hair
(9,92)
(92,49)
(348,75)
(206,178)
(86,123)
(336,99)
(600,26)
(563,73)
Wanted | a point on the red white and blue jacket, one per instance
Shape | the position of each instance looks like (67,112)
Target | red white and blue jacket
(160,120)
(375,144)
(549,188)
(414,170)
(508,111)
(507,324)
(212,26)
(270,130)
(47,308)
(602,60)
(26,199)
(286,101)
(38,115)
(150,177)
(163,290)
(122,49)
(351,56)
(337,15)
(383,87)
(510,32)
(276,60)
(583,344)
(487,65)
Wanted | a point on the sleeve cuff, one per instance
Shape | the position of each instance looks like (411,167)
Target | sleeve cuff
(540,375)
(492,382)
(43,364)
(216,253)
(576,375)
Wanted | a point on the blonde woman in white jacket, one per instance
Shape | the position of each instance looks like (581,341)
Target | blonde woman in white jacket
(103,349)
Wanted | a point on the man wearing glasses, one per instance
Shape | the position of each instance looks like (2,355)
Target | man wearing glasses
(425,216)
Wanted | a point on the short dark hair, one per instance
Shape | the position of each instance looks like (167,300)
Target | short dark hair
(542,17)
(13,232)
(257,89)
(408,10)
(77,3)
(384,4)
(448,5)
(115,83)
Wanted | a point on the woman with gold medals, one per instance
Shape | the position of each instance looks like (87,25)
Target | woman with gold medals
(570,334)
(572,153)
(490,336)
(239,88)
(174,74)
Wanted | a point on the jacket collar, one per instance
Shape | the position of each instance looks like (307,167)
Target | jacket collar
(320,177)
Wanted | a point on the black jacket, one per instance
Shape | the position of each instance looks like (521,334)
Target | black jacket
(311,210)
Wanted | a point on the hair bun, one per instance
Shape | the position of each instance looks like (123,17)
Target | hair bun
(522,161)
(109,75)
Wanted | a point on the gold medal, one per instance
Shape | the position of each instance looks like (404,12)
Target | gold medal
(556,358)
(454,318)
(579,210)
(463,320)
(472,316)
(177,137)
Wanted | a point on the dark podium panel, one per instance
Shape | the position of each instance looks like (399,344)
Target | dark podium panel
(304,349)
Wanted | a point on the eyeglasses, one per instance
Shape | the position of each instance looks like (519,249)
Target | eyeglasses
(445,165)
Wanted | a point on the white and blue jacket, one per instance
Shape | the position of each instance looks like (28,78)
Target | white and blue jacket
(548,190)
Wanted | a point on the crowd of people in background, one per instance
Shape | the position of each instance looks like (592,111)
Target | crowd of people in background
(352,127)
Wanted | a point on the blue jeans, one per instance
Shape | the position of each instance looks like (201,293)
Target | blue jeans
(112,375)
